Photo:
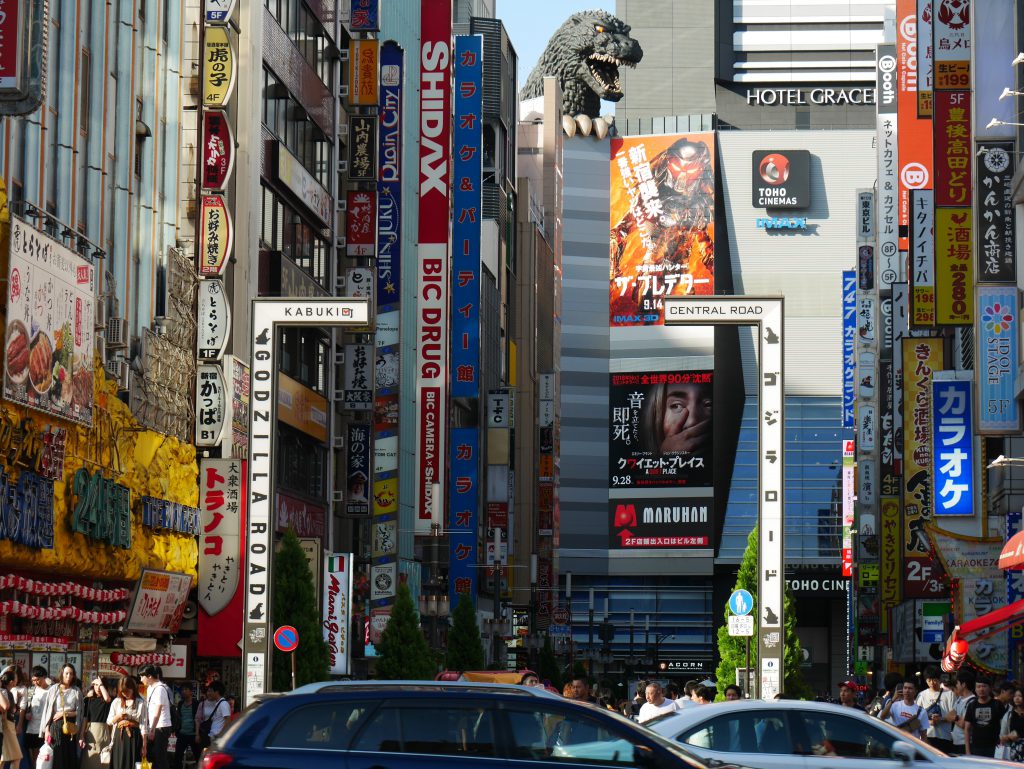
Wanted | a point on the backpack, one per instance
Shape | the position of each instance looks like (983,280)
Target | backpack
(175,718)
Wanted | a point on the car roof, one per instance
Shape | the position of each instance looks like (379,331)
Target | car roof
(702,712)
(468,687)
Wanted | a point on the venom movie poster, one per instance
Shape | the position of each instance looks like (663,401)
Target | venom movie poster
(662,225)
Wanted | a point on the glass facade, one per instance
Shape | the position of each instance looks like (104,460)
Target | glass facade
(813,482)
(285,230)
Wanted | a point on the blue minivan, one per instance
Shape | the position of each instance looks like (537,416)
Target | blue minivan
(437,725)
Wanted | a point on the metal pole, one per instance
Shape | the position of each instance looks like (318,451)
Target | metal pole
(568,602)
(746,684)
(292,655)
(630,636)
(590,634)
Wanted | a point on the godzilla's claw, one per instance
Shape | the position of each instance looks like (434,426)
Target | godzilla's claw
(569,126)
(585,124)
(600,127)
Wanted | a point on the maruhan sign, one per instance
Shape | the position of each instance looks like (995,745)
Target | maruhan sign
(796,97)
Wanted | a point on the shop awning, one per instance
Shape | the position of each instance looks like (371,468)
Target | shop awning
(995,621)
(1012,555)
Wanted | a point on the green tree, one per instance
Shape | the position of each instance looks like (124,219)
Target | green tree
(547,665)
(403,650)
(295,604)
(733,648)
(465,652)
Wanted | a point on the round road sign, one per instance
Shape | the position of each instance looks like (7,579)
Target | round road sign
(560,615)
(741,602)
(286,638)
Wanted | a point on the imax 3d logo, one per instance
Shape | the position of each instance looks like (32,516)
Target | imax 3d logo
(915,176)
(887,80)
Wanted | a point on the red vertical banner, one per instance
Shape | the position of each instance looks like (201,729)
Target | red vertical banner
(434,191)
(915,136)
(222,504)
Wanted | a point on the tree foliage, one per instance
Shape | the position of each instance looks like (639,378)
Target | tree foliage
(733,648)
(465,651)
(547,665)
(295,604)
(403,650)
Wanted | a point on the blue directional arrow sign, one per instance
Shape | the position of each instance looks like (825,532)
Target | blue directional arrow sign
(741,602)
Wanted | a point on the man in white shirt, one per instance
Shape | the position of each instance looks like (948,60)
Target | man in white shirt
(656,703)
(964,691)
(158,705)
(215,708)
(937,704)
(907,714)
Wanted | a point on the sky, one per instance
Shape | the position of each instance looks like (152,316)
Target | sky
(530,24)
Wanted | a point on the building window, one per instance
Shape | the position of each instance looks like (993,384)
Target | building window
(84,83)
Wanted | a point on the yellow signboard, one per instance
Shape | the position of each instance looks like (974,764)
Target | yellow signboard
(218,66)
(954,267)
(301,407)
(363,68)
(890,578)
(385,496)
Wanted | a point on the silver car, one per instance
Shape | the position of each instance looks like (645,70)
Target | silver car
(792,734)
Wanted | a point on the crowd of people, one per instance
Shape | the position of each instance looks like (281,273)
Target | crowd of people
(109,724)
(651,699)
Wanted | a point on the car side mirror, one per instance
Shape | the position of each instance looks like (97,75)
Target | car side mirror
(904,752)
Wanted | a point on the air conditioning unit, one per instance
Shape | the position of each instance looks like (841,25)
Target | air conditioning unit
(113,368)
(117,332)
(100,321)
(342,166)
(343,89)
(338,496)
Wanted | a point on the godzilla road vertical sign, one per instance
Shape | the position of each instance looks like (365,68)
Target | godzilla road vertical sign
(432,269)
(766,315)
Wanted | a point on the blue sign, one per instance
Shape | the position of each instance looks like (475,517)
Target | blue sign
(953,448)
(286,638)
(781,223)
(1014,578)
(467,172)
(389,178)
(464,501)
(558,630)
(365,16)
(997,359)
(741,602)
(849,340)
(26,510)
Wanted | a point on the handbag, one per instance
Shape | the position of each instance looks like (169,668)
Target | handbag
(105,754)
(143,764)
(45,758)
(70,728)
(206,725)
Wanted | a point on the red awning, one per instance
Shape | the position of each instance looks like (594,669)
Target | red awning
(993,622)
(1012,556)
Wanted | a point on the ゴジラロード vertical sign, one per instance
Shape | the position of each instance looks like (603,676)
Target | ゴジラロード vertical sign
(432,269)
(953,448)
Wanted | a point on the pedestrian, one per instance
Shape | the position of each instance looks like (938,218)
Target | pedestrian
(158,709)
(848,694)
(884,697)
(672,692)
(733,693)
(640,697)
(568,691)
(581,690)
(212,715)
(187,727)
(129,719)
(60,720)
(95,734)
(1003,692)
(906,714)
(963,691)
(626,708)
(1011,730)
(20,692)
(35,698)
(981,721)
(704,695)
(529,679)
(656,703)
(937,703)
(10,751)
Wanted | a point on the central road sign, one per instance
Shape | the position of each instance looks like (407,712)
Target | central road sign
(286,638)
(560,615)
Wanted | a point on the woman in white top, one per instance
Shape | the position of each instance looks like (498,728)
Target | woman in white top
(130,721)
(59,724)
(10,751)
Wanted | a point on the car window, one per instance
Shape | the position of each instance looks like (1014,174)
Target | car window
(748,731)
(449,731)
(324,726)
(454,730)
(833,734)
(548,735)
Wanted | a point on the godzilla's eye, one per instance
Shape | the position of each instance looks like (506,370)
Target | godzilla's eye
(598,28)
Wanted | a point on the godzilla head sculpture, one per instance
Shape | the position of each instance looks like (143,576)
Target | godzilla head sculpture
(585,55)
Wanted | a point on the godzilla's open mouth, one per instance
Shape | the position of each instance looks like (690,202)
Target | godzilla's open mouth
(604,68)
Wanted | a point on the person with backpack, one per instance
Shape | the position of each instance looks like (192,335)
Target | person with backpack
(158,707)
(212,715)
(184,725)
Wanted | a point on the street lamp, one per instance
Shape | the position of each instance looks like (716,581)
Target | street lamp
(434,605)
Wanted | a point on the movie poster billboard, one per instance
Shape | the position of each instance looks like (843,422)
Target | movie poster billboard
(661,430)
(662,239)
